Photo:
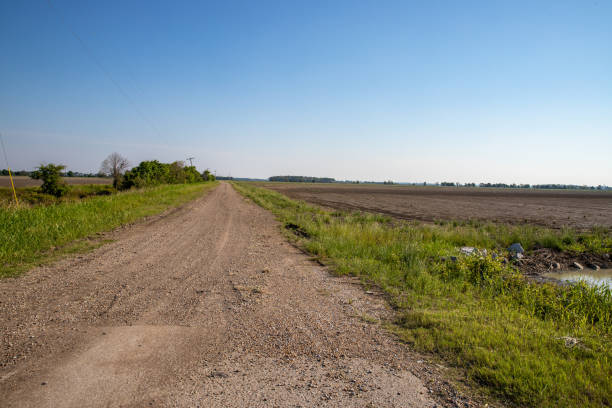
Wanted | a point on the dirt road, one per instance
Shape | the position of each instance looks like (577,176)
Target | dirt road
(207,306)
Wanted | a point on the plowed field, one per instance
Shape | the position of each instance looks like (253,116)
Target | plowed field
(552,208)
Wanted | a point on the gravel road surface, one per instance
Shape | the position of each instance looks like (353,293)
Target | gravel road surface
(204,306)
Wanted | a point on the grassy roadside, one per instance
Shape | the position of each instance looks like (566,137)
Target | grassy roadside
(527,344)
(28,235)
(498,236)
(31,196)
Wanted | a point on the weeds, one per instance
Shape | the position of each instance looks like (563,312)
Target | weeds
(28,234)
(497,236)
(32,196)
(479,314)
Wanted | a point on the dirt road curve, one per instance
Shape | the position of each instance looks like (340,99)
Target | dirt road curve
(207,306)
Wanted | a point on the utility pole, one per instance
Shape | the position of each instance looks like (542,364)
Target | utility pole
(9,170)
(190,160)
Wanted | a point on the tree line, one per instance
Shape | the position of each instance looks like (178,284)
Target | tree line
(146,174)
(70,173)
(306,179)
(302,179)
(150,173)
(535,186)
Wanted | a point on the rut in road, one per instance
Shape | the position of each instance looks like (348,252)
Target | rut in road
(207,306)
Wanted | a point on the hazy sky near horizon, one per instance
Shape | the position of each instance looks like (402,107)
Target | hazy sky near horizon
(508,91)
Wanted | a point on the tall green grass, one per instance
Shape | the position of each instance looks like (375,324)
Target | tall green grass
(495,235)
(32,196)
(28,234)
(512,337)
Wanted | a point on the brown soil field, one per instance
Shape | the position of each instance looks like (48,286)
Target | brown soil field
(25,181)
(579,209)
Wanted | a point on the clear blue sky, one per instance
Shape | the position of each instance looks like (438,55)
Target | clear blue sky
(411,91)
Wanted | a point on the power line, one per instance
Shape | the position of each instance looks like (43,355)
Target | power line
(102,68)
(9,169)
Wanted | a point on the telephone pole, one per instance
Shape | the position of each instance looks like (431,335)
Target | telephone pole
(190,160)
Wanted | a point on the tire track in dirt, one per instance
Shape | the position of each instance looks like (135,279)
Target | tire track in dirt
(207,306)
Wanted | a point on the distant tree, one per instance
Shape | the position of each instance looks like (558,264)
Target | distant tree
(152,173)
(52,180)
(115,166)
(192,175)
(176,173)
(208,176)
(147,173)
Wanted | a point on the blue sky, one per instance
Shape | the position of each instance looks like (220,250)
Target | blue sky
(373,90)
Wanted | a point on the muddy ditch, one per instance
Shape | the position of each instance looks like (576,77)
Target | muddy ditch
(543,264)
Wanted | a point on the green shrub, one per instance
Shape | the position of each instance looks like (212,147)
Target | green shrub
(153,173)
(473,269)
(53,183)
(208,176)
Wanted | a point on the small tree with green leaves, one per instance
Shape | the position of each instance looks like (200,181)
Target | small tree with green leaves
(52,181)
(192,175)
(146,174)
(176,173)
(208,176)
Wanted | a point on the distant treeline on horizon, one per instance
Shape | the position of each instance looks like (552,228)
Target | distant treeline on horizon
(302,179)
(535,186)
(308,179)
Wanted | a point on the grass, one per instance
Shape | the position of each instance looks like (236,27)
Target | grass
(30,235)
(31,196)
(498,236)
(509,335)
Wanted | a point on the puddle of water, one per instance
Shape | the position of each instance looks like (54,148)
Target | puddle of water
(591,277)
